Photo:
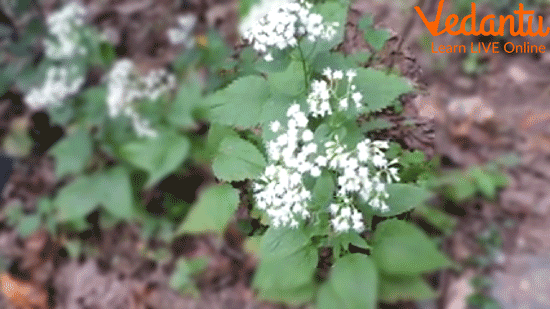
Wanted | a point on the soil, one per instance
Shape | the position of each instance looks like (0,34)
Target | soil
(471,118)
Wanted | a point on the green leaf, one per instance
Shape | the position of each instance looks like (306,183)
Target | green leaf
(288,263)
(375,38)
(158,156)
(72,153)
(79,198)
(290,81)
(379,89)
(111,189)
(376,125)
(211,213)
(216,134)
(353,284)
(402,198)
(240,103)
(394,289)
(332,11)
(29,224)
(117,195)
(402,249)
(245,6)
(237,160)
(484,182)
(323,191)
(181,278)
(94,105)
(189,96)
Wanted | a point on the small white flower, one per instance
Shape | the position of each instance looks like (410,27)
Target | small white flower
(307,135)
(344,103)
(268,57)
(274,126)
(338,75)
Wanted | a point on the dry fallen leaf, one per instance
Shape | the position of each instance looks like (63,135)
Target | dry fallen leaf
(22,294)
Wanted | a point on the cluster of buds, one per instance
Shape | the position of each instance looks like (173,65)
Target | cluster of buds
(361,174)
(285,26)
(125,87)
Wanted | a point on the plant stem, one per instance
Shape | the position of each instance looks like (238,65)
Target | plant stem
(303,66)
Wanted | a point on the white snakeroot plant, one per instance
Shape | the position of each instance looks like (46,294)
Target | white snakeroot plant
(64,27)
(361,173)
(285,26)
(64,43)
(59,84)
(125,88)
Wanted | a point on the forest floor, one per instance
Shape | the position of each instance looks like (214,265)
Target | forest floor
(484,108)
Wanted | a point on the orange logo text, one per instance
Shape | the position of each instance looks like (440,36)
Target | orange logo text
(486,25)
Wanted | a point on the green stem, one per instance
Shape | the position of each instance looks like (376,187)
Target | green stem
(303,59)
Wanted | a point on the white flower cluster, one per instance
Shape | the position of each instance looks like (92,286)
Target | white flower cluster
(57,86)
(64,26)
(285,25)
(183,34)
(322,92)
(64,43)
(125,87)
(361,173)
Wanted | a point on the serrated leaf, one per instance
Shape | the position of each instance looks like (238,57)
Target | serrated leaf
(72,153)
(211,213)
(216,134)
(289,81)
(394,289)
(402,198)
(353,284)
(287,265)
(402,249)
(379,89)
(158,156)
(240,103)
(189,96)
(237,160)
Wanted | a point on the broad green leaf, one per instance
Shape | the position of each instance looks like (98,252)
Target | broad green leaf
(402,249)
(484,182)
(394,289)
(323,191)
(376,124)
(402,198)
(117,195)
(237,160)
(158,156)
(375,38)
(379,89)
(181,280)
(240,103)
(290,81)
(353,284)
(110,189)
(78,198)
(94,110)
(216,134)
(212,212)
(72,153)
(189,96)
(61,115)
(288,263)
